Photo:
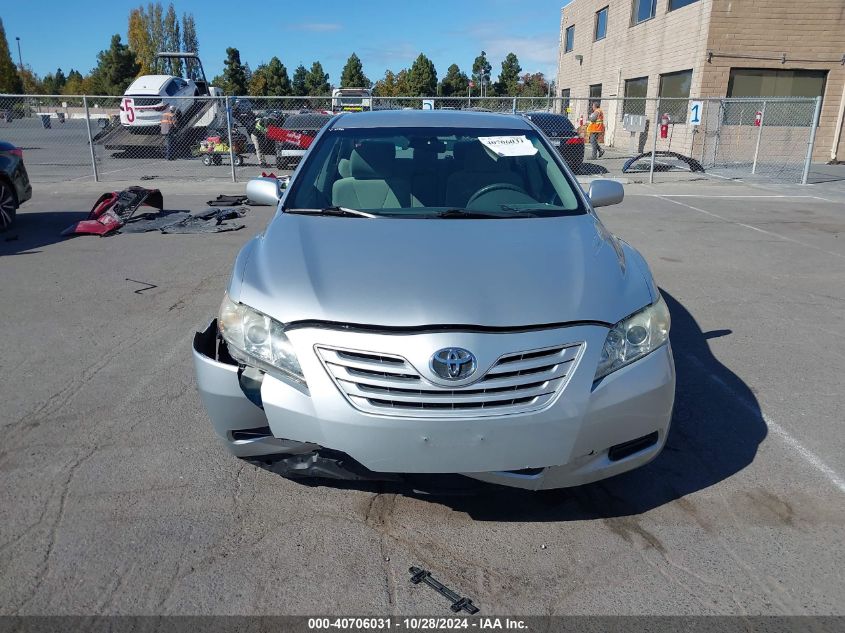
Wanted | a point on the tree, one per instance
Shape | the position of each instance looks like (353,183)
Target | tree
(481,70)
(298,87)
(508,83)
(75,84)
(386,86)
(190,44)
(234,74)
(534,85)
(278,82)
(10,82)
(317,81)
(422,78)
(455,83)
(138,37)
(32,85)
(116,68)
(172,39)
(353,75)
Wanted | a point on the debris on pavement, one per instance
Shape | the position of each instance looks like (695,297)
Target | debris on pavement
(209,221)
(227,201)
(419,575)
(113,209)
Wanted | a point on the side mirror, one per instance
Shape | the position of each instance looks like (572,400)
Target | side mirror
(604,193)
(264,191)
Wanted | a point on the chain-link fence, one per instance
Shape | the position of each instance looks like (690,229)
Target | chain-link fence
(134,138)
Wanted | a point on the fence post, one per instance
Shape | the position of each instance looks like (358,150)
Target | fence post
(513,110)
(812,142)
(759,136)
(229,131)
(90,139)
(654,125)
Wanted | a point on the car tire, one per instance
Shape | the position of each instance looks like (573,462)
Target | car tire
(239,161)
(8,206)
(206,160)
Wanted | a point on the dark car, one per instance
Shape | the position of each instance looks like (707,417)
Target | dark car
(562,134)
(14,183)
(295,136)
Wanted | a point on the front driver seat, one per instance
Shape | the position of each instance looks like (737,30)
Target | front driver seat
(477,170)
(371,183)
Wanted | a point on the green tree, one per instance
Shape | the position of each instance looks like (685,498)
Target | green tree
(234,74)
(172,39)
(481,68)
(386,86)
(32,85)
(455,83)
(353,75)
(116,68)
(422,78)
(508,83)
(60,79)
(278,82)
(317,81)
(534,85)
(190,44)
(298,85)
(10,81)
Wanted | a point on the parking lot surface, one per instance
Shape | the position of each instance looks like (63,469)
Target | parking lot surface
(115,497)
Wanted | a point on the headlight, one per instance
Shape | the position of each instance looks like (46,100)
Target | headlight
(256,339)
(634,337)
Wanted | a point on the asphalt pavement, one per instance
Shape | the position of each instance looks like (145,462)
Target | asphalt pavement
(116,498)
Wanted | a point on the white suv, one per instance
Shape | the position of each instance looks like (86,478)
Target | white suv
(148,96)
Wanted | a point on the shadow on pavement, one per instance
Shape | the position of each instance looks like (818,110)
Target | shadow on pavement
(32,231)
(590,169)
(715,434)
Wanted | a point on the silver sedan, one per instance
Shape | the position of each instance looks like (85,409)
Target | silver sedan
(436,294)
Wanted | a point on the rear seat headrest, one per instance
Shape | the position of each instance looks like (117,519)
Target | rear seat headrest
(373,160)
(343,168)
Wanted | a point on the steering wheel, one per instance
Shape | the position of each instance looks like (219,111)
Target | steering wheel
(496,186)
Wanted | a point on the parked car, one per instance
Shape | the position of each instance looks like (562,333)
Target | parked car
(436,294)
(149,95)
(297,132)
(562,134)
(15,188)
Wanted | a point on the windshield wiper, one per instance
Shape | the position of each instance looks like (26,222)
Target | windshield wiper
(335,211)
(529,210)
(463,214)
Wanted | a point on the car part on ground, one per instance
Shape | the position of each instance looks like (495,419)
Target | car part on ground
(345,332)
(458,603)
(15,188)
(112,210)
(693,164)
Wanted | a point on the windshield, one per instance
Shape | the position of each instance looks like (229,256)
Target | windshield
(434,172)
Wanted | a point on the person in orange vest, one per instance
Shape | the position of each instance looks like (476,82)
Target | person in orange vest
(168,126)
(596,127)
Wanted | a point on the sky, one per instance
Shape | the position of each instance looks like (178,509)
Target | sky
(386,34)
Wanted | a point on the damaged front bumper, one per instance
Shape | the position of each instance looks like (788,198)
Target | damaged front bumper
(590,432)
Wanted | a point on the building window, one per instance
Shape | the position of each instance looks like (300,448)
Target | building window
(595,93)
(675,87)
(761,82)
(643,10)
(564,100)
(601,24)
(636,91)
(569,39)
(677,4)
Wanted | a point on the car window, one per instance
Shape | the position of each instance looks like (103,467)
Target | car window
(423,172)
(553,124)
(171,88)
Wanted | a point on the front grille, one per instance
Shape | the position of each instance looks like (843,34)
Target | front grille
(388,384)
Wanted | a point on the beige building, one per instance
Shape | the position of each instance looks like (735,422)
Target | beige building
(612,49)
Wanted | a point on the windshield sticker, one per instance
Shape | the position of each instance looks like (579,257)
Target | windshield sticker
(508,145)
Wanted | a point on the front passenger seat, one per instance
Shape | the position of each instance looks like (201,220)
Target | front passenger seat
(371,183)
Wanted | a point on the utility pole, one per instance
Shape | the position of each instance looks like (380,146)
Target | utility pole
(20,59)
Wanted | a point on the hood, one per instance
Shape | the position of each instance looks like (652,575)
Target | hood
(148,84)
(405,273)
